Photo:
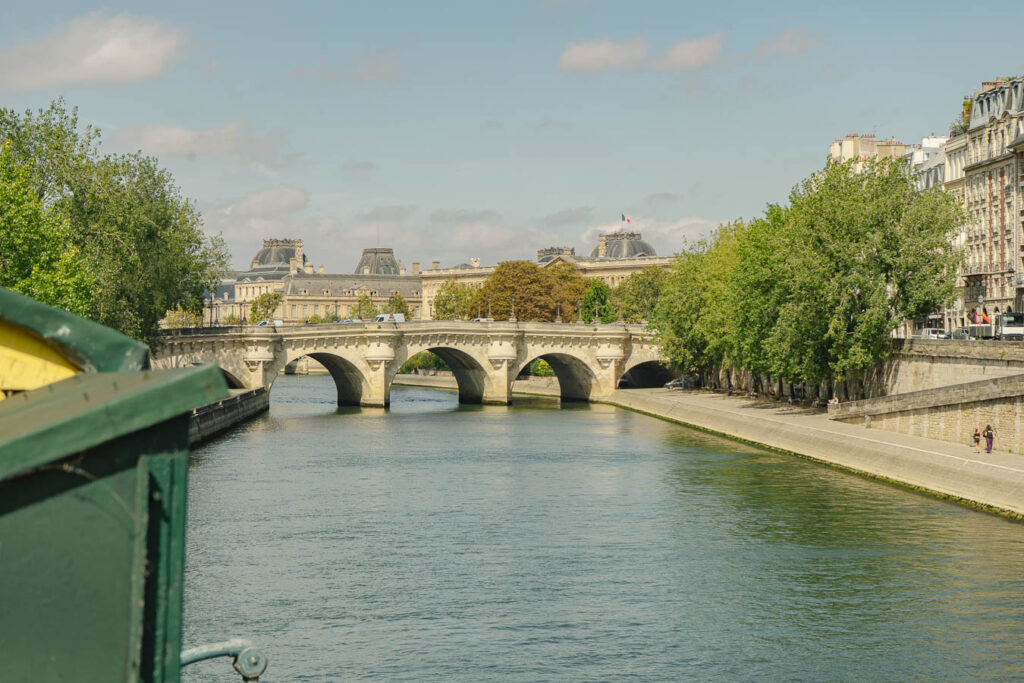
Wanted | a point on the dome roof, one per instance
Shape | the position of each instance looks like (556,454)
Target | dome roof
(277,253)
(622,245)
(378,262)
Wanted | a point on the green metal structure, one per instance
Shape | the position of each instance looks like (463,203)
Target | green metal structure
(93,476)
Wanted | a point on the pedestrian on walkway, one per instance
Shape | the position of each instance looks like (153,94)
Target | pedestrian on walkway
(989,436)
(977,440)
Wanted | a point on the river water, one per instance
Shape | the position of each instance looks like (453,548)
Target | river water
(434,542)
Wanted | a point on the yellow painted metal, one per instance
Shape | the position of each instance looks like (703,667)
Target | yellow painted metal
(28,362)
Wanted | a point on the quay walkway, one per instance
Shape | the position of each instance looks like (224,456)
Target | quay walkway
(993,482)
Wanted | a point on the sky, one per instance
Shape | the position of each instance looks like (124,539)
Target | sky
(452,130)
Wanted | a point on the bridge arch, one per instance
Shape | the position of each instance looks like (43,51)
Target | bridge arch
(474,382)
(576,379)
(645,374)
(349,380)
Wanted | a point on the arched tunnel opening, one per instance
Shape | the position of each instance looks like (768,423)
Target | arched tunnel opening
(232,381)
(469,375)
(648,375)
(347,378)
(575,378)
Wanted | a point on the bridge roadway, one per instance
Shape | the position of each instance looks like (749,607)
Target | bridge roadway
(363,358)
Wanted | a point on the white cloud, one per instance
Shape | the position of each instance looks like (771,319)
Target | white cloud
(632,55)
(382,65)
(270,203)
(233,139)
(792,41)
(574,216)
(692,55)
(604,55)
(93,49)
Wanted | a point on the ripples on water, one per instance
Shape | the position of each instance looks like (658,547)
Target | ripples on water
(530,543)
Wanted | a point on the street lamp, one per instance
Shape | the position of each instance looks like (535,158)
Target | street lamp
(489,308)
(579,312)
(558,312)
(512,318)
(478,310)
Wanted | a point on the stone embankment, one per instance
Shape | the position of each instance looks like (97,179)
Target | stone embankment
(212,419)
(990,481)
(535,386)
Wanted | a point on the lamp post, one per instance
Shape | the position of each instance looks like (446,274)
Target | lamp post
(558,312)
(477,310)
(579,312)
(512,318)
(489,308)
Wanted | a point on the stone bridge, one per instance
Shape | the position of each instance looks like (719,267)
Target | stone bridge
(589,360)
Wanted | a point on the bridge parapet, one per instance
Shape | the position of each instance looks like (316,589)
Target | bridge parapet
(363,358)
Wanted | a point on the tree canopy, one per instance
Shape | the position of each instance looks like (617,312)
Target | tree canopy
(264,305)
(125,229)
(528,283)
(812,290)
(396,304)
(638,294)
(452,301)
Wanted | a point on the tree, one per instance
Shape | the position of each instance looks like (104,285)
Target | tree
(597,303)
(365,310)
(396,304)
(232,319)
(452,301)
(179,317)
(638,294)
(528,283)
(139,240)
(264,305)
(569,288)
(37,255)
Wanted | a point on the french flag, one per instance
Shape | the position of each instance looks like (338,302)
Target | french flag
(624,219)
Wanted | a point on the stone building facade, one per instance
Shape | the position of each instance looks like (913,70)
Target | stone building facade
(615,257)
(992,193)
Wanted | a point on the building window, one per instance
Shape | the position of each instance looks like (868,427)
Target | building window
(294,312)
(305,310)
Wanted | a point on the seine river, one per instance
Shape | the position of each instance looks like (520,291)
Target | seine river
(434,542)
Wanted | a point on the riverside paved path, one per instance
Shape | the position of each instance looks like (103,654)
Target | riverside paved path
(993,480)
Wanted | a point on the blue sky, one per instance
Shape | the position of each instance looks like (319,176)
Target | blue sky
(458,129)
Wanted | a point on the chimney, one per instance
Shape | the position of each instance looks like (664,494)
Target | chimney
(321,271)
(401,270)
(415,267)
(309,268)
(436,265)
(366,270)
(475,262)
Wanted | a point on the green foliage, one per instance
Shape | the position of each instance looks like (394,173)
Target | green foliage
(179,317)
(569,288)
(539,368)
(812,290)
(396,304)
(264,305)
(638,294)
(597,302)
(453,301)
(232,319)
(424,360)
(532,287)
(135,237)
(365,310)
(37,255)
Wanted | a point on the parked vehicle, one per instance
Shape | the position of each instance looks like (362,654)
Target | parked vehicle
(931,333)
(390,318)
(961,333)
(674,384)
(1010,326)
(482,320)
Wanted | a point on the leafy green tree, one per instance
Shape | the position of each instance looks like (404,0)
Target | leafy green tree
(453,301)
(539,368)
(232,319)
(179,317)
(638,294)
(569,288)
(264,305)
(530,285)
(424,360)
(37,255)
(140,241)
(597,303)
(365,310)
(396,304)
